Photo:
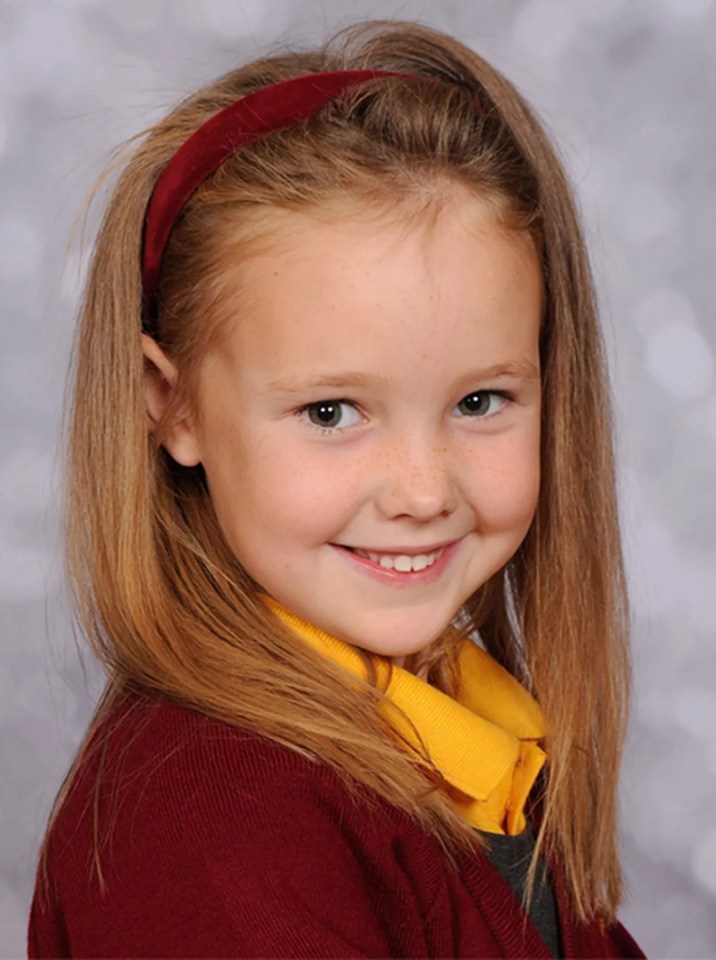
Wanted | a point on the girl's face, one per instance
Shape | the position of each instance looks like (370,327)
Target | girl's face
(378,391)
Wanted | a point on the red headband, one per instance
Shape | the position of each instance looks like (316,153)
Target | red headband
(271,108)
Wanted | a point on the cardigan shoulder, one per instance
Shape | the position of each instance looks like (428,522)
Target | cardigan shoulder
(215,841)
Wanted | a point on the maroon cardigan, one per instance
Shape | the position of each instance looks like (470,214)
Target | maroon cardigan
(225,844)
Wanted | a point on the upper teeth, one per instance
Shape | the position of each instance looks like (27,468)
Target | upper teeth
(402,561)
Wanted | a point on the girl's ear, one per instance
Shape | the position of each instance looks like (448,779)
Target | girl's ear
(160,379)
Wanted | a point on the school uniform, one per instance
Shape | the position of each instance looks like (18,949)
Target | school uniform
(218,842)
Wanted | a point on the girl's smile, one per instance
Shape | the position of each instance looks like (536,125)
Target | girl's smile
(402,568)
(369,419)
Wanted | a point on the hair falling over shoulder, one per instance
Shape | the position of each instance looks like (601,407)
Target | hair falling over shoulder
(165,605)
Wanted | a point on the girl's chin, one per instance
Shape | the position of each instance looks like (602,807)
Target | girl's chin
(398,654)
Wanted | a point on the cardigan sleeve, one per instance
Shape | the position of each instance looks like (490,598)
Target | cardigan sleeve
(245,850)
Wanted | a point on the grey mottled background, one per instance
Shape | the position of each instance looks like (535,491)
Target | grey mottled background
(628,89)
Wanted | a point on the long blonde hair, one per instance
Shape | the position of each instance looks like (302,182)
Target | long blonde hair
(165,605)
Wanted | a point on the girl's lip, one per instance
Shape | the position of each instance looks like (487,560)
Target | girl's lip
(394,577)
(400,551)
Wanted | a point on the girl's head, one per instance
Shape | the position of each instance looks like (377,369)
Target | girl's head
(375,386)
(374,330)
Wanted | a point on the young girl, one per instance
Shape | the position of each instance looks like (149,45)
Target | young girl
(341,412)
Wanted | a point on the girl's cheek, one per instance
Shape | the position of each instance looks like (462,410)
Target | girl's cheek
(517,495)
(295,482)
(504,482)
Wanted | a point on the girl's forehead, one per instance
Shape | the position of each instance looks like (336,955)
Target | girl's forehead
(304,256)
(373,290)
(270,231)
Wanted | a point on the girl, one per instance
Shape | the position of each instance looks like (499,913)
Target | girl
(340,410)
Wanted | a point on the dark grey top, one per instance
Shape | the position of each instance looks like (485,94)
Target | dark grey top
(511,855)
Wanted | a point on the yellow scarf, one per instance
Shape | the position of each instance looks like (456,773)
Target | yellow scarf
(485,743)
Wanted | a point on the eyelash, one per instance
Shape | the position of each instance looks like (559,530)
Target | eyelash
(300,411)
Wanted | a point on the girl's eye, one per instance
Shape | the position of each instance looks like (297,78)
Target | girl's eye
(331,415)
(484,403)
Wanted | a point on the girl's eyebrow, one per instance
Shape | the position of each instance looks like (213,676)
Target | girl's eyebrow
(517,369)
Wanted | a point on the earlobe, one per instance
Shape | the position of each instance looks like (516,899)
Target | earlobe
(160,380)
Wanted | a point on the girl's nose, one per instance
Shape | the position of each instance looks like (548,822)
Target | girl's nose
(417,481)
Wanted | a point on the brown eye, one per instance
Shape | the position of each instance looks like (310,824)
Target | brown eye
(331,414)
(483,403)
(325,414)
